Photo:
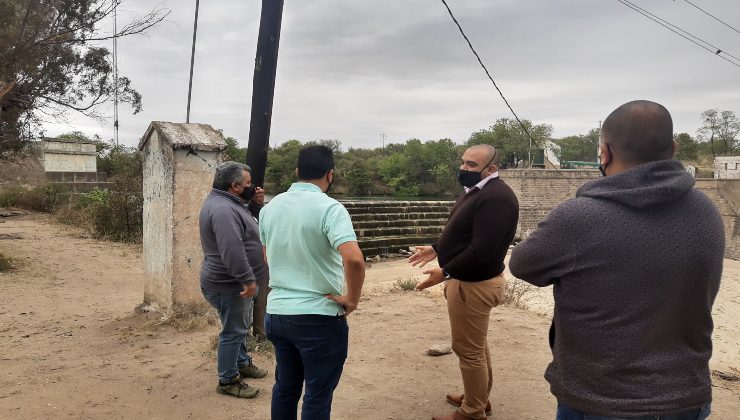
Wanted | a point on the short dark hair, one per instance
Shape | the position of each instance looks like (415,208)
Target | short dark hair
(315,162)
(639,132)
(228,173)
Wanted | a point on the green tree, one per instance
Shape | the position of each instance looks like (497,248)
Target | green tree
(687,148)
(720,130)
(511,140)
(281,165)
(582,148)
(50,57)
(233,151)
(359,178)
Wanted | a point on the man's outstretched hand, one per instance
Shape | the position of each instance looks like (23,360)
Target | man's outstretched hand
(422,256)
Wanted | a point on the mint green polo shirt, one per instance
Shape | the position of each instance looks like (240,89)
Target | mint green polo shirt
(301,230)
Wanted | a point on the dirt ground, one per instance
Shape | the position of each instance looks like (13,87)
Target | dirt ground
(72,346)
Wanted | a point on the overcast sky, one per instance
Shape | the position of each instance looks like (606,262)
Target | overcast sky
(351,70)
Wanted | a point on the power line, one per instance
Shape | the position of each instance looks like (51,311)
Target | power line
(714,50)
(714,17)
(526,131)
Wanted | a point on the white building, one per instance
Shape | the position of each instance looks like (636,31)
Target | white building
(727,167)
(60,155)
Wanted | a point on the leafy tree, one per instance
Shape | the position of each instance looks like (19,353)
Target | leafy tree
(579,147)
(51,65)
(720,130)
(688,148)
(511,140)
(359,178)
(233,151)
(281,165)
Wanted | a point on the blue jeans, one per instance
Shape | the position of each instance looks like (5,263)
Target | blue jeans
(310,348)
(566,413)
(235,313)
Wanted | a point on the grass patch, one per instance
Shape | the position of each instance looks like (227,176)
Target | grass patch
(6,263)
(46,198)
(406,284)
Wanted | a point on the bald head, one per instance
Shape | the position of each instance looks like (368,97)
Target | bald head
(639,132)
(487,152)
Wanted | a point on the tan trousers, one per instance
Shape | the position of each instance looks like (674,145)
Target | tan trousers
(469,305)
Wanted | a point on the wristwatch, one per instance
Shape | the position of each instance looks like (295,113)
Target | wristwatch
(446,275)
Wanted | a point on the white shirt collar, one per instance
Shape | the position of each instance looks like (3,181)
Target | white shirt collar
(482,183)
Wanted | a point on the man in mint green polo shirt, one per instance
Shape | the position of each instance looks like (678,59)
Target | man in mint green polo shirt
(312,251)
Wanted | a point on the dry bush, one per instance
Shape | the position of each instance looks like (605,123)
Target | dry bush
(46,198)
(6,263)
(406,284)
(515,293)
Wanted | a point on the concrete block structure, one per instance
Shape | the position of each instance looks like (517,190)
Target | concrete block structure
(60,155)
(179,163)
(727,167)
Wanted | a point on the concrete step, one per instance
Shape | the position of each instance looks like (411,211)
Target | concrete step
(366,224)
(392,244)
(400,216)
(398,231)
(399,208)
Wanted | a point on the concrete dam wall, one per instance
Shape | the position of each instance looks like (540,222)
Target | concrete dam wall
(384,227)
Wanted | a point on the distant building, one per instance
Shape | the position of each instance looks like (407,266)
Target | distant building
(727,167)
(691,169)
(546,158)
(61,155)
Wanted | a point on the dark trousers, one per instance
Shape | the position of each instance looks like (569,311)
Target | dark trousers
(310,349)
(567,413)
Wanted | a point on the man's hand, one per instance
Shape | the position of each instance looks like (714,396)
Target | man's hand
(249,290)
(435,277)
(348,304)
(259,196)
(422,256)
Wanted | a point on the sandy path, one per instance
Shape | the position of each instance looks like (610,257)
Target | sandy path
(72,346)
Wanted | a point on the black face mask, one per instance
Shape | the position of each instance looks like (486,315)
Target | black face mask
(469,178)
(248,192)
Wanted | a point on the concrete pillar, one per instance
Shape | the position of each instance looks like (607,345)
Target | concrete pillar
(179,163)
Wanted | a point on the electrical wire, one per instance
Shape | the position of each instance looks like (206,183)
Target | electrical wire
(526,131)
(714,50)
(714,17)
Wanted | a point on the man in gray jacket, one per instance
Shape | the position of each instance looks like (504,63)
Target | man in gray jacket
(232,267)
(635,261)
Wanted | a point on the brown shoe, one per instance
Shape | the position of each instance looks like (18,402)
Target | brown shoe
(454,416)
(457,399)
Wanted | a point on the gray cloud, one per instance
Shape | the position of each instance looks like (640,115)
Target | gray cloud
(351,70)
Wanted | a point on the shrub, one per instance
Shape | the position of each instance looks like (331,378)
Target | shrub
(407,284)
(46,198)
(6,263)
(515,293)
(111,214)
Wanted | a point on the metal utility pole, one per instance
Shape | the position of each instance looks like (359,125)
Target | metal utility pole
(192,58)
(263,88)
(263,92)
(383,136)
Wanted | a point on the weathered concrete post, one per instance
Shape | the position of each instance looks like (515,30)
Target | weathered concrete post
(179,163)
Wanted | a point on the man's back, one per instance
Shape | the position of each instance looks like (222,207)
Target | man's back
(301,230)
(636,261)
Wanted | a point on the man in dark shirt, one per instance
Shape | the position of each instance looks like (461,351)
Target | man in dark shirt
(471,253)
(232,266)
(635,261)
